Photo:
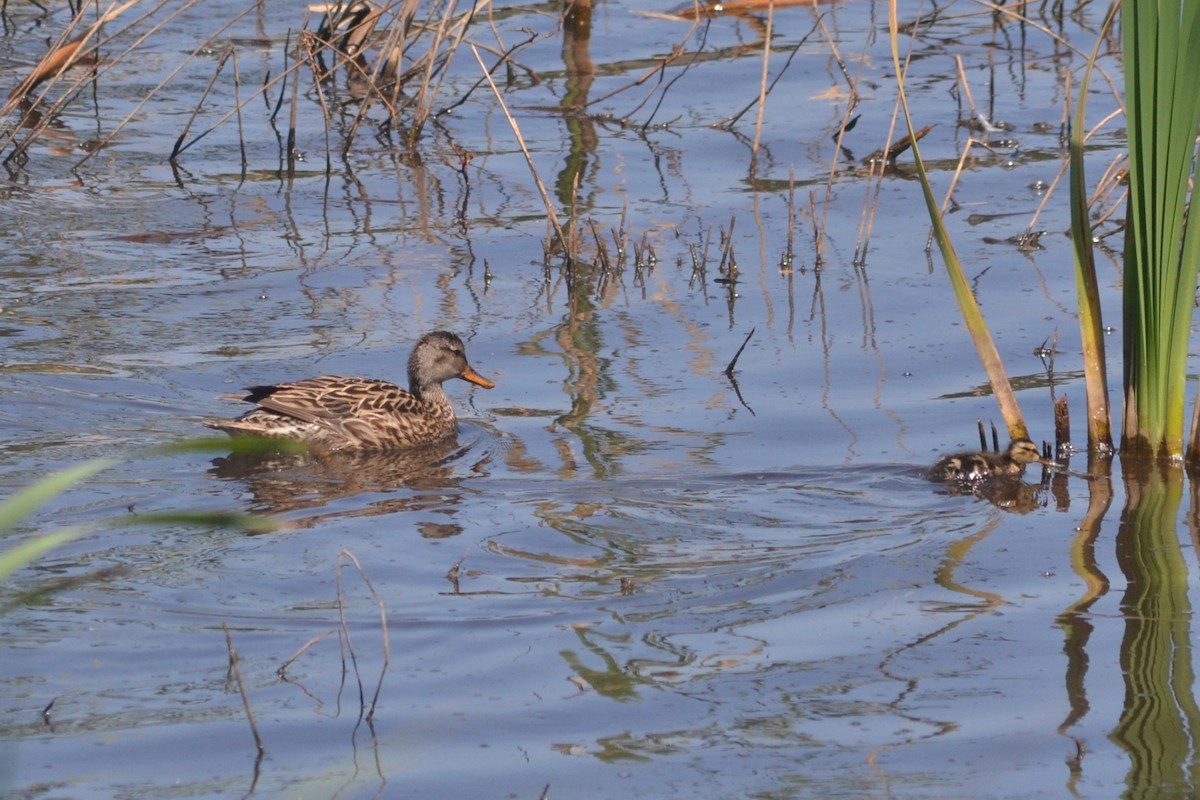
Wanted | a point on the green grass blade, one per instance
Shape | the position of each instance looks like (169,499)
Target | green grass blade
(14,558)
(1087,286)
(30,499)
(222,519)
(242,445)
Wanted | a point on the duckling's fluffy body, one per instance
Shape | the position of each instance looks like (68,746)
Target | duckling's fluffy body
(335,412)
(976,467)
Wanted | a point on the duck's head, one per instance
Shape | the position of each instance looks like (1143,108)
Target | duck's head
(437,357)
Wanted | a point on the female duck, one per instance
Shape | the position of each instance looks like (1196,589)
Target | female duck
(976,467)
(340,413)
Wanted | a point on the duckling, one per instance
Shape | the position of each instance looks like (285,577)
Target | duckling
(976,467)
(333,412)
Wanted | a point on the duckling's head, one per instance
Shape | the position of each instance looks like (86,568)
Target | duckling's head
(1023,451)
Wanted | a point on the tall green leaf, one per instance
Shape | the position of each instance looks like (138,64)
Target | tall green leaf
(1162,107)
(989,356)
(1087,287)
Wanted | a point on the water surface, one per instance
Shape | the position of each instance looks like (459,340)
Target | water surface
(629,576)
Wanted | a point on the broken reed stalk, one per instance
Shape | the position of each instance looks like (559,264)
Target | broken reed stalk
(733,361)
(187,126)
(453,572)
(601,249)
(282,671)
(541,187)
(818,222)
(1110,183)
(346,51)
(724,267)
(1062,427)
(697,266)
(872,188)
(789,253)
(236,669)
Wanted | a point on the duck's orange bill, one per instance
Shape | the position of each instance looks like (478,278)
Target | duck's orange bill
(477,379)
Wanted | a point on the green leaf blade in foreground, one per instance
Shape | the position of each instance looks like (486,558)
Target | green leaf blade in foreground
(14,558)
(30,499)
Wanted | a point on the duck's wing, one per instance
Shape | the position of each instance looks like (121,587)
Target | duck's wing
(332,400)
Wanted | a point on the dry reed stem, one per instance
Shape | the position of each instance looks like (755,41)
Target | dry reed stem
(1062,426)
(52,78)
(1108,182)
(237,105)
(236,669)
(966,86)
(760,98)
(872,191)
(62,54)
(726,264)
(424,102)
(204,46)
(343,556)
(677,52)
(354,69)
(541,187)
(818,230)
(57,60)
(281,672)
(958,171)
(762,88)
(601,250)
(319,91)
(872,197)
(851,106)
(667,86)
(291,136)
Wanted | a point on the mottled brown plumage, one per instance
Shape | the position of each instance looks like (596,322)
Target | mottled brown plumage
(342,413)
(975,467)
